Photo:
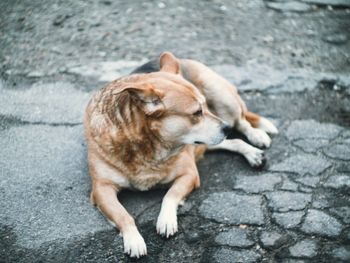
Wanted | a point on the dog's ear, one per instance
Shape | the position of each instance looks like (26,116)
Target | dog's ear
(169,63)
(146,98)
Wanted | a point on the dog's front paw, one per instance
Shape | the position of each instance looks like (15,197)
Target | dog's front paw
(134,245)
(255,157)
(259,138)
(167,223)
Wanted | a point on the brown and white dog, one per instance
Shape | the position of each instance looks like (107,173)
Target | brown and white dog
(149,129)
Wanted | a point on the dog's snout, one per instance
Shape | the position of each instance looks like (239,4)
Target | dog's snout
(226,129)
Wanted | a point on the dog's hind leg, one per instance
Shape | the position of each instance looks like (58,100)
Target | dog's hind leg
(256,136)
(260,122)
(254,156)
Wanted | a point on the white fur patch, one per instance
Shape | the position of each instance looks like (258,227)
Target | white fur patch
(259,138)
(134,244)
(208,131)
(255,136)
(254,156)
(267,126)
(167,219)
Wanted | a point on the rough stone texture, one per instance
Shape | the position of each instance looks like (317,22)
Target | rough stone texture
(308,180)
(305,248)
(320,201)
(257,184)
(292,260)
(289,185)
(343,212)
(228,207)
(311,129)
(193,237)
(286,201)
(292,6)
(47,184)
(311,145)
(338,181)
(335,38)
(185,208)
(271,239)
(344,167)
(302,164)
(88,26)
(252,77)
(224,255)
(305,189)
(288,219)
(346,134)
(54,103)
(338,151)
(329,2)
(106,70)
(342,253)
(235,237)
(318,222)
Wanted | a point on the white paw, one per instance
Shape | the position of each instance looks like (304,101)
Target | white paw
(255,157)
(134,245)
(259,138)
(167,222)
(267,126)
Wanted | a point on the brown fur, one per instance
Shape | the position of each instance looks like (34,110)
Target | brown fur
(252,118)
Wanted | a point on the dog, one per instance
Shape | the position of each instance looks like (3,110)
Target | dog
(149,129)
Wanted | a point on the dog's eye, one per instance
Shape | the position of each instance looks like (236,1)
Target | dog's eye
(156,102)
(198,113)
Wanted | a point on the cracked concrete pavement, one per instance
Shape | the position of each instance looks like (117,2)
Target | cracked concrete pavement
(290,61)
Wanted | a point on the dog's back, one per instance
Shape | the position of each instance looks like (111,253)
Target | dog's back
(148,67)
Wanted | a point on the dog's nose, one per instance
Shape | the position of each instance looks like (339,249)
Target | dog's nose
(226,129)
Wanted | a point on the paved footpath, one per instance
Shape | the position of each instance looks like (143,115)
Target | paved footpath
(296,210)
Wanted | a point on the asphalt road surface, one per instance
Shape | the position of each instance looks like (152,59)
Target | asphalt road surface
(289,59)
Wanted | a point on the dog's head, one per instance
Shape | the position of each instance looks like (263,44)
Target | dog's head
(175,108)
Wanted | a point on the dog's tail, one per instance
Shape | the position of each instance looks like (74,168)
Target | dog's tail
(260,122)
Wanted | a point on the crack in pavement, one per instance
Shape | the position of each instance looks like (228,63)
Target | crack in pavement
(7,121)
